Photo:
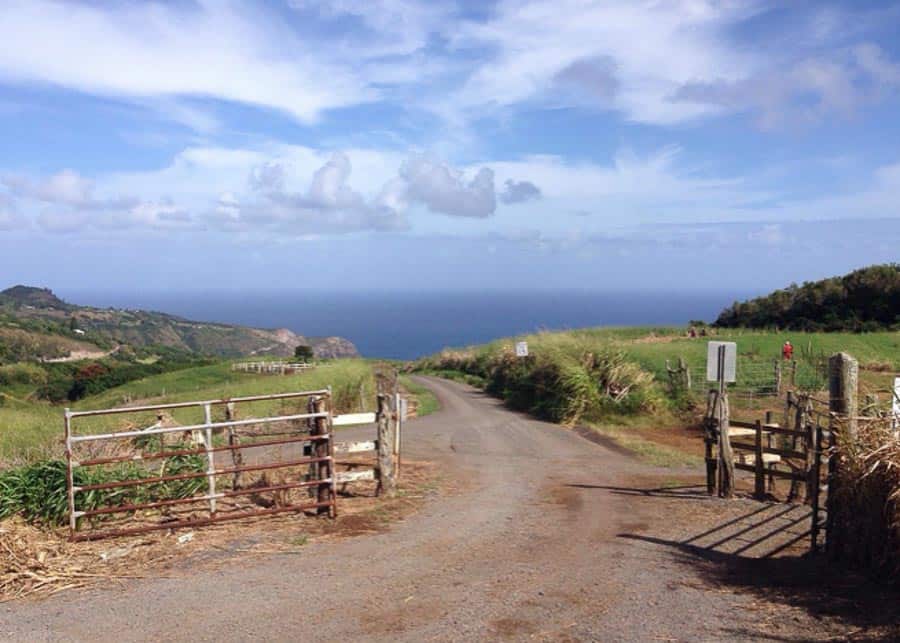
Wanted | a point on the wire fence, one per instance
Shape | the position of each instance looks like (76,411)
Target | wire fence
(757,382)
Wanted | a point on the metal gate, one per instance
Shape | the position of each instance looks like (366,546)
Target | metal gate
(168,475)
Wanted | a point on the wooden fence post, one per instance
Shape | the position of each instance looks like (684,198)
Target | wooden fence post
(726,455)
(237,458)
(321,449)
(814,489)
(843,381)
(709,440)
(725,464)
(777,377)
(759,465)
(843,384)
(386,474)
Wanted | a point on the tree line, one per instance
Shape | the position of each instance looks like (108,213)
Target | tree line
(867,299)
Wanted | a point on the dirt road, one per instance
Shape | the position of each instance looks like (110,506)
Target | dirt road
(555,539)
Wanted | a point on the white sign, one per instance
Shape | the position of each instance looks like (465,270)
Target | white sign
(895,404)
(521,349)
(712,361)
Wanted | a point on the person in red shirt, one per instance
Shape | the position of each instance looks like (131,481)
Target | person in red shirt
(787,351)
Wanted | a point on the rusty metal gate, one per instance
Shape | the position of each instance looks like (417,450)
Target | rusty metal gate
(168,475)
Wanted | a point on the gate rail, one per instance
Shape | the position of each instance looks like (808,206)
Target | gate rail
(317,432)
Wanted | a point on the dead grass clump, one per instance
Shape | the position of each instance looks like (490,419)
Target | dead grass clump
(41,561)
(865,503)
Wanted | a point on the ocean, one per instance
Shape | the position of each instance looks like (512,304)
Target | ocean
(403,325)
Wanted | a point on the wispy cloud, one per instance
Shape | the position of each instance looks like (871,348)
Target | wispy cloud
(222,50)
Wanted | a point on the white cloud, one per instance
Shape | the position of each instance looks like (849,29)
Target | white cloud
(624,54)
(806,91)
(520,192)
(445,190)
(220,50)
(10,218)
(63,188)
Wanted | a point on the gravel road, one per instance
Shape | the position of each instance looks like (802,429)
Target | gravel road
(552,539)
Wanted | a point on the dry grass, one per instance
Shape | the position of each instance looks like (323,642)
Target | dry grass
(865,504)
(41,562)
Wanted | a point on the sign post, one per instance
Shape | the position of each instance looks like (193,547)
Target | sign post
(721,367)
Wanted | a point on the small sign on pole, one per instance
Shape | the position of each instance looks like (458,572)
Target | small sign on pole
(895,404)
(729,373)
(521,349)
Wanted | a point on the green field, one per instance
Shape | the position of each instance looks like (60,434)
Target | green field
(573,376)
(32,430)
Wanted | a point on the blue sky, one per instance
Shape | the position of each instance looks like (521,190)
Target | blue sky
(447,145)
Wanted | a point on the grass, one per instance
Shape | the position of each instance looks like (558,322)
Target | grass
(34,430)
(580,359)
(428,403)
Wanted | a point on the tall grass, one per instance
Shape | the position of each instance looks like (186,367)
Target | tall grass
(31,430)
(38,491)
(567,377)
(864,510)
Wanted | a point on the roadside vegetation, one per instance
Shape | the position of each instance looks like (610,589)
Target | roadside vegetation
(615,379)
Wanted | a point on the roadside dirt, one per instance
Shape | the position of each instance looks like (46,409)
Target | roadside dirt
(551,537)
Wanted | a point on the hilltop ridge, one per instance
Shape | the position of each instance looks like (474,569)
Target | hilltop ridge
(867,299)
(40,313)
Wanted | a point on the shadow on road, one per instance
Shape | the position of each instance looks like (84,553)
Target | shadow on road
(687,492)
(757,552)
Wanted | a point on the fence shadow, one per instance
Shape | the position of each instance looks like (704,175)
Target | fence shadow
(686,492)
(743,553)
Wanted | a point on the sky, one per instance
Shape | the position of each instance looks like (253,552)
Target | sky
(404,145)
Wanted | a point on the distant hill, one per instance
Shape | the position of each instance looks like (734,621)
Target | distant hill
(867,299)
(28,311)
(25,296)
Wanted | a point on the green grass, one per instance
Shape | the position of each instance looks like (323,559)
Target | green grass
(652,453)
(34,430)
(880,348)
(428,403)
(493,367)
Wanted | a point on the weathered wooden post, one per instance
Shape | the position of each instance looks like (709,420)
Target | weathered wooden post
(322,449)
(685,374)
(759,473)
(777,377)
(726,455)
(386,474)
(237,457)
(843,382)
(709,440)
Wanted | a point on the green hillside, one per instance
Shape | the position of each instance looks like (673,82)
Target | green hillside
(863,300)
(33,429)
(38,311)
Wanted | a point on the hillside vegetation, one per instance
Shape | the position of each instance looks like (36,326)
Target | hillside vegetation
(863,300)
(610,374)
(32,429)
(38,313)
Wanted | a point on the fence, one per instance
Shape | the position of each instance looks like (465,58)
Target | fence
(859,444)
(757,382)
(166,474)
(272,368)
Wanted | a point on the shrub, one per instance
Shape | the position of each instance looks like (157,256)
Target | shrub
(38,493)
(566,378)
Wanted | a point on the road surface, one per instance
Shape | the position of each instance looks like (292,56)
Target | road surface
(545,543)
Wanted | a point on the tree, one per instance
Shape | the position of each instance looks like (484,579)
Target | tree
(303,352)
